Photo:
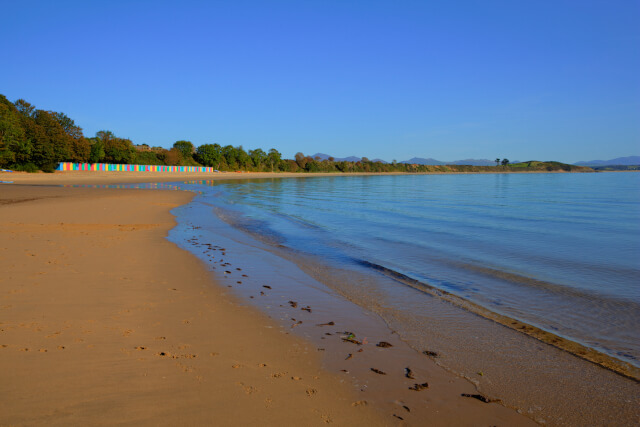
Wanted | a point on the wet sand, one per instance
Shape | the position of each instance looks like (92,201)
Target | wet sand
(104,321)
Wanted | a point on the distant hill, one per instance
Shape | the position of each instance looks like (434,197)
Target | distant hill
(620,161)
(421,161)
(535,165)
(336,159)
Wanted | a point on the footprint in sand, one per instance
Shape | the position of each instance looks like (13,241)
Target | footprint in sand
(326,419)
(141,347)
(185,356)
(61,347)
(311,392)
(184,368)
(249,389)
(419,387)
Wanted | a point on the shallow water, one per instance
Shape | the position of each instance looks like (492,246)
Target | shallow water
(559,251)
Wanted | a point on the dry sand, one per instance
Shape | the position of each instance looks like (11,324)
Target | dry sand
(104,321)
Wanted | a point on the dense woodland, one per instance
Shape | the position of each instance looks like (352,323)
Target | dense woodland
(32,140)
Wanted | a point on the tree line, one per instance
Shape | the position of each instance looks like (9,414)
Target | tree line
(33,139)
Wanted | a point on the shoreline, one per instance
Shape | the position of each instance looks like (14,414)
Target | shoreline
(573,348)
(111,322)
(88,177)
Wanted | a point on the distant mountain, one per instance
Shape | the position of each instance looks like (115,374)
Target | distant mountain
(626,161)
(384,162)
(336,159)
(430,161)
(421,161)
(321,155)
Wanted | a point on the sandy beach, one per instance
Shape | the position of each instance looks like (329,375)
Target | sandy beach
(104,321)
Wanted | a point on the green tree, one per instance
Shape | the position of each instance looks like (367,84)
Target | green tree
(118,150)
(105,136)
(96,153)
(26,109)
(274,158)
(54,144)
(209,155)
(68,125)
(230,155)
(109,148)
(258,157)
(243,159)
(80,148)
(185,147)
(12,137)
(497,162)
(505,162)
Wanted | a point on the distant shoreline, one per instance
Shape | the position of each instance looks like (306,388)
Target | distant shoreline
(90,177)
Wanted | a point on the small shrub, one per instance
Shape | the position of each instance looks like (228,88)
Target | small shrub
(49,168)
(27,167)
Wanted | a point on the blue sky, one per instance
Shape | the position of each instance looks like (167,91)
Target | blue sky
(544,80)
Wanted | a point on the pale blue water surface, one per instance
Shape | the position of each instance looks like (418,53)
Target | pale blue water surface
(559,251)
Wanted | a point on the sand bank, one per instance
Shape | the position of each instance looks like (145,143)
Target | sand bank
(104,321)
